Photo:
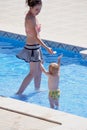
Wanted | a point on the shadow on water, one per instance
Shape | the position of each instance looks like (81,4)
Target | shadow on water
(24,97)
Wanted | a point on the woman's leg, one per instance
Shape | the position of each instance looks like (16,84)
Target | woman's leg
(37,77)
(28,78)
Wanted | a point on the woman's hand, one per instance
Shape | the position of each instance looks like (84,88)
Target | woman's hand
(50,50)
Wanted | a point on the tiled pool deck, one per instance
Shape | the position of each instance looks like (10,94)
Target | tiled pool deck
(69,29)
(19,115)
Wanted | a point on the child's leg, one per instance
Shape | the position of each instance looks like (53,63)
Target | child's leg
(57,103)
(51,101)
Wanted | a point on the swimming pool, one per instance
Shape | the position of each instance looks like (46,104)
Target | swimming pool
(73,78)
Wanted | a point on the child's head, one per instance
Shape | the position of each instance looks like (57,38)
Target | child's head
(53,68)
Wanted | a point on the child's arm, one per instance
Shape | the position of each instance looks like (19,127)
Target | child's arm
(43,69)
(59,58)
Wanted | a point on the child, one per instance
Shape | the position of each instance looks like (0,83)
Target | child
(53,82)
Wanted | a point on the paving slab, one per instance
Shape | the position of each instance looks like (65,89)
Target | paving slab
(62,21)
(20,115)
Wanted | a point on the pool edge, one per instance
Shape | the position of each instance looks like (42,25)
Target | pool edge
(68,121)
(20,37)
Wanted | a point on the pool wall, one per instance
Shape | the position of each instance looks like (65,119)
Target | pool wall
(22,38)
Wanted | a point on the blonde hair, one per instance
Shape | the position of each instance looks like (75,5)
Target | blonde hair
(53,68)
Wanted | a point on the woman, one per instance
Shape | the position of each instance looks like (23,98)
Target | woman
(32,51)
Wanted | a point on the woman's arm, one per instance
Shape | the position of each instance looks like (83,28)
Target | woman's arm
(31,31)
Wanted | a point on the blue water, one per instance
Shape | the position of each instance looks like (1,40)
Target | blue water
(73,78)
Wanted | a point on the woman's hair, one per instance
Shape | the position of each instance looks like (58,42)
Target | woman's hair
(32,3)
(53,68)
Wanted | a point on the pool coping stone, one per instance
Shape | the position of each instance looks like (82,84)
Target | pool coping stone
(52,119)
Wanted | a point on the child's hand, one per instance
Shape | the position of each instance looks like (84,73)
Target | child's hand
(59,57)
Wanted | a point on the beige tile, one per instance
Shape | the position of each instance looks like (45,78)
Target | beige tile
(62,21)
(21,115)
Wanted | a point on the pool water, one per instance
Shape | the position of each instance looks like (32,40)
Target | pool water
(73,78)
